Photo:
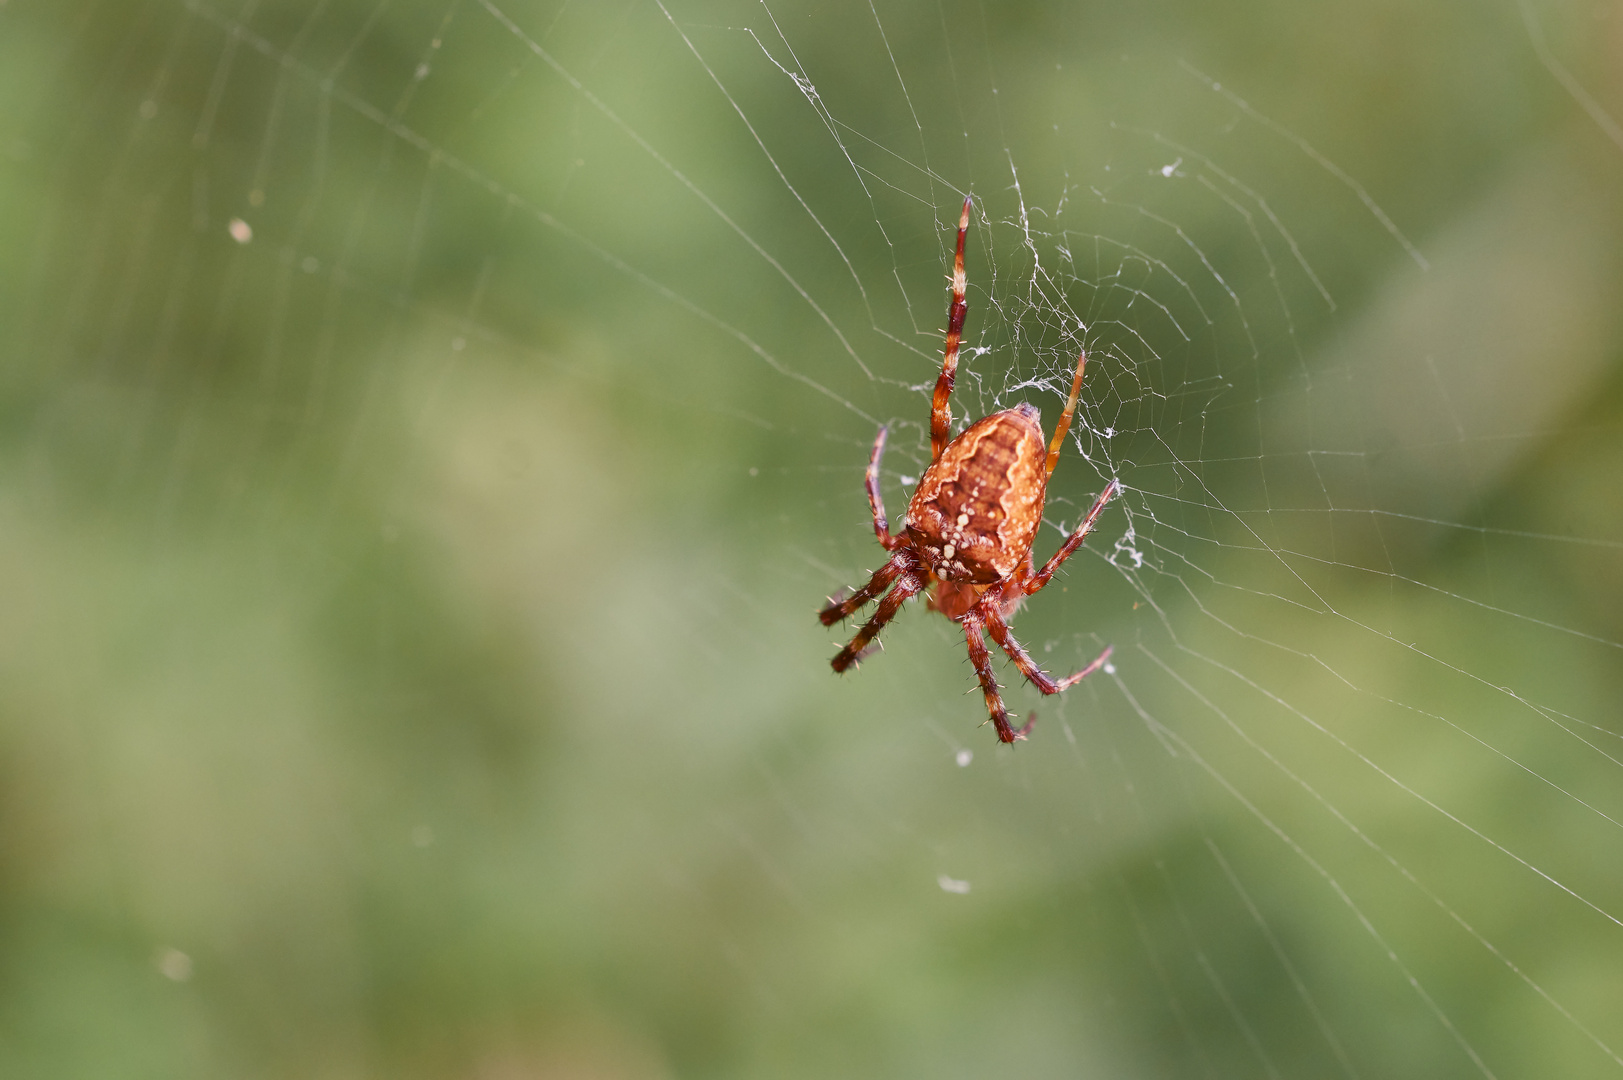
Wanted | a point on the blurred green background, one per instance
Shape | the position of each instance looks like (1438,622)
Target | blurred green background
(428,427)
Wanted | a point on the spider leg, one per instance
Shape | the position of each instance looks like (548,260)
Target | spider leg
(876,501)
(1070,411)
(906,588)
(882,577)
(982,660)
(940,413)
(1028,667)
(1074,541)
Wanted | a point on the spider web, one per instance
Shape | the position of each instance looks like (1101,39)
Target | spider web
(431,426)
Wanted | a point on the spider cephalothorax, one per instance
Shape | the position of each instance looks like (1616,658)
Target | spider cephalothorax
(970,525)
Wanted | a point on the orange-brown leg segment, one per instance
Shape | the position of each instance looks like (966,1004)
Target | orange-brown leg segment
(882,577)
(1058,442)
(982,660)
(876,501)
(940,413)
(1074,541)
(906,588)
(1028,667)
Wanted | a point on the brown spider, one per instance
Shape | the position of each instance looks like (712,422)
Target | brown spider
(970,526)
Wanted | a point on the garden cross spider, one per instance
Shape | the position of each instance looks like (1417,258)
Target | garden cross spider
(970,526)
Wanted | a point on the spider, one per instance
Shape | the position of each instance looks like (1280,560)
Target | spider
(970,525)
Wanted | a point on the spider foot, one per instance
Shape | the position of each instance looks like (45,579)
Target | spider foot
(1007,733)
(831,612)
(845,659)
(872,647)
(1098,662)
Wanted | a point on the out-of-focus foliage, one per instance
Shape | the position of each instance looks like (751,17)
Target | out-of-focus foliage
(407,662)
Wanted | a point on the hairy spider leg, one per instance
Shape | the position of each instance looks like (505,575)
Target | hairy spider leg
(1022,659)
(982,660)
(940,412)
(907,587)
(1074,541)
(1065,417)
(882,577)
(876,501)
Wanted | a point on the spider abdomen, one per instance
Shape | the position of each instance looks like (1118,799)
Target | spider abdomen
(976,509)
